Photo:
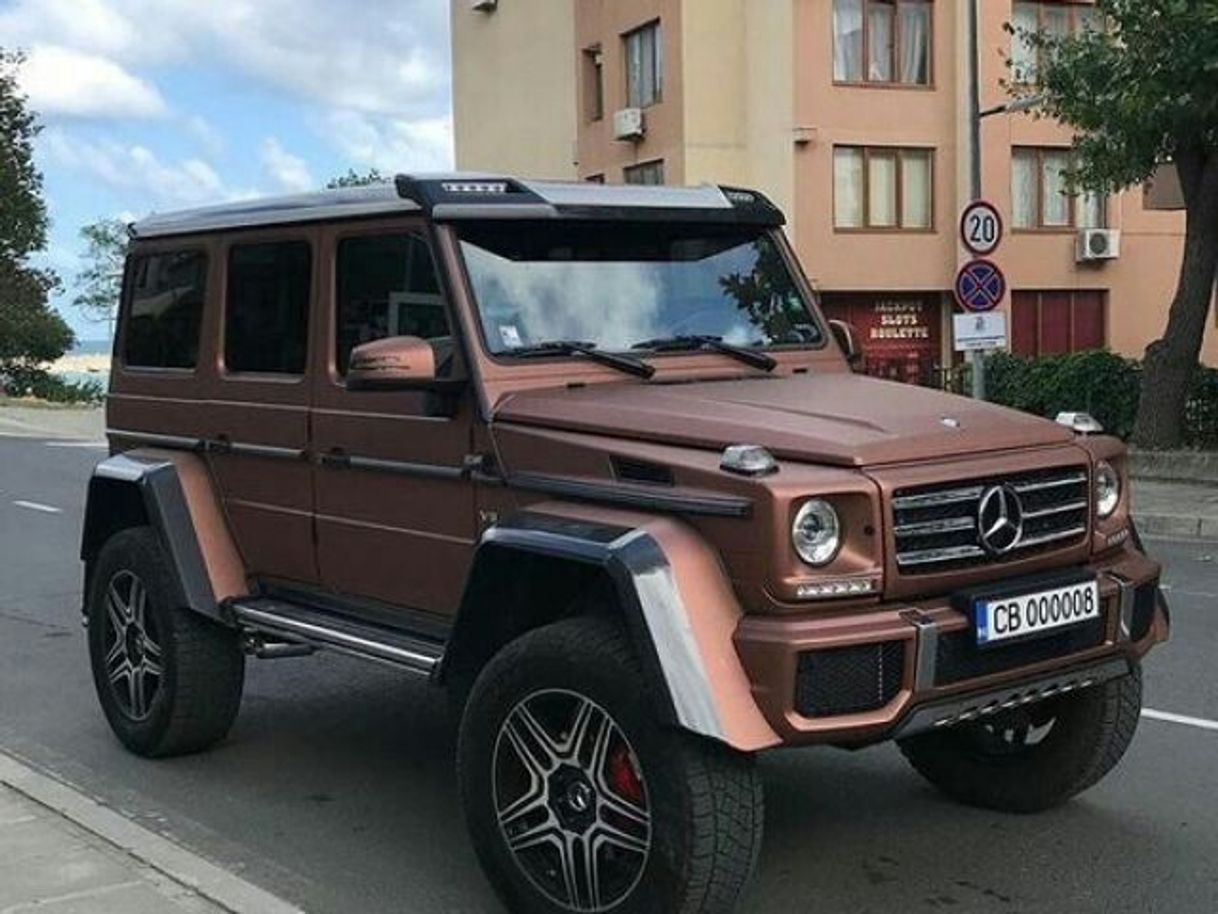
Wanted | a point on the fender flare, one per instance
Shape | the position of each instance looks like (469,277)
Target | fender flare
(178,502)
(678,607)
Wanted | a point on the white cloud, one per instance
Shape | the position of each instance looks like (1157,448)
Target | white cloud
(138,172)
(385,57)
(205,133)
(77,84)
(287,170)
(392,144)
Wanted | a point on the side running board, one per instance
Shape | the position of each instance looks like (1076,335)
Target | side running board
(315,628)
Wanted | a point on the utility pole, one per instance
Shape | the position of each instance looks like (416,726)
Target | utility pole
(976,358)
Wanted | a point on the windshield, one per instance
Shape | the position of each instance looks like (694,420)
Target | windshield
(618,285)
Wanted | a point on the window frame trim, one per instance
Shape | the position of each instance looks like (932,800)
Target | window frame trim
(1075,200)
(865,82)
(636,167)
(594,53)
(1072,8)
(867,228)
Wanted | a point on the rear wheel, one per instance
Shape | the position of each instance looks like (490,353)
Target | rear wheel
(169,680)
(1033,758)
(578,799)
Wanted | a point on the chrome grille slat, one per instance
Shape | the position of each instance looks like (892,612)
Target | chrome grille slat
(936,526)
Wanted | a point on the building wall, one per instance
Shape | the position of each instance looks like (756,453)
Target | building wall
(603,23)
(514,88)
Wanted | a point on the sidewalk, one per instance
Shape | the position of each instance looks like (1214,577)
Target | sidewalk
(63,853)
(1187,510)
(80,423)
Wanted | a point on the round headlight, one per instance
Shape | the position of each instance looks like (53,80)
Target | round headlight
(1107,489)
(816,532)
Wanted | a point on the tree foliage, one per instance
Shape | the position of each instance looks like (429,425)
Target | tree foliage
(100,280)
(1140,92)
(354,178)
(31,333)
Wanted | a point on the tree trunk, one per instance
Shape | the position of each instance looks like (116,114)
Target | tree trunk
(1171,362)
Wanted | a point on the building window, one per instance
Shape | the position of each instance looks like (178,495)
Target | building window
(595,179)
(1039,195)
(163,309)
(644,66)
(1056,20)
(1055,322)
(645,173)
(883,188)
(388,286)
(882,41)
(266,326)
(593,83)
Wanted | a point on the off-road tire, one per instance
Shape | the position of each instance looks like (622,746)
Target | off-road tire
(1092,730)
(197,699)
(705,798)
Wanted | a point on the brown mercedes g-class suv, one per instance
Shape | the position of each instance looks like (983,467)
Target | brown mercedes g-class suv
(592,460)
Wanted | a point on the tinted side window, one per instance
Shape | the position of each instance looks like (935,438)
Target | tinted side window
(165,295)
(267,322)
(387,286)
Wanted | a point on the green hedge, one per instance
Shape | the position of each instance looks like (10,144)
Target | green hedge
(1103,384)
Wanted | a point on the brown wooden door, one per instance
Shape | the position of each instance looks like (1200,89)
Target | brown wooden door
(395,516)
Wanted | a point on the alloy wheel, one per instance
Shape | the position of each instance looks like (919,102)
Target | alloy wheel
(133,657)
(570,800)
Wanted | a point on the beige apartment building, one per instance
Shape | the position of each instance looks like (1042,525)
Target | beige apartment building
(854,117)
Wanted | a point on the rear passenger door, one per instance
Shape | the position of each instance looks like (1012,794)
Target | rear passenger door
(395,510)
(258,415)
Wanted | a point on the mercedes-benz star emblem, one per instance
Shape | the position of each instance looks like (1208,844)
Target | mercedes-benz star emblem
(1000,519)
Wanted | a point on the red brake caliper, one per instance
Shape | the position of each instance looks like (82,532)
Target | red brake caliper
(623,778)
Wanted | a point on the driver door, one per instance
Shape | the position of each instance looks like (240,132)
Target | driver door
(395,515)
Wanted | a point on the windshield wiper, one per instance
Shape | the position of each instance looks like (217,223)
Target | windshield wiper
(626,363)
(696,343)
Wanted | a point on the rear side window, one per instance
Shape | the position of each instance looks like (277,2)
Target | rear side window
(387,286)
(267,321)
(164,307)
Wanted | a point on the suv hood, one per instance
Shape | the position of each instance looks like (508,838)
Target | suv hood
(835,418)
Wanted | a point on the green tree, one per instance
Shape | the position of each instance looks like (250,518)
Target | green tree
(1141,92)
(354,178)
(31,333)
(100,280)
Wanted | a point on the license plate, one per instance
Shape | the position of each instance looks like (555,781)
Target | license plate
(1028,615)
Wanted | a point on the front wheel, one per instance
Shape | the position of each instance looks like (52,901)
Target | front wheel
(1033,758)
(578,798)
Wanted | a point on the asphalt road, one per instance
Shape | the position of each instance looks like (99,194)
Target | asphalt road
(336,789)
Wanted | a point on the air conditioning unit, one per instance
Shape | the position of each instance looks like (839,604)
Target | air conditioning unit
(484,6)
(628,124)
(1097,244)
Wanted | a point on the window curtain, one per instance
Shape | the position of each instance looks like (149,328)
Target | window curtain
(1023,189)
(915,43)
(848,188)
(1023,53)
(848,40)
(916,176)
(1053,178)
(882,186)
(881,20)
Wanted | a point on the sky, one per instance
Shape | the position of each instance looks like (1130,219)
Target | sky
(155,105)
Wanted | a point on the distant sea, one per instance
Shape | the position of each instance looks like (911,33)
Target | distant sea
(89,360)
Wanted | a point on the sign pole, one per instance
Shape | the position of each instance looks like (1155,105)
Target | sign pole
(977,359)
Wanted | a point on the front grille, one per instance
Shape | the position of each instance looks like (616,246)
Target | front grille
(958,658)
(937,529)
(849,680)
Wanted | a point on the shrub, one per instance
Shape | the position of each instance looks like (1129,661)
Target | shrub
(1100,382)
(42,385)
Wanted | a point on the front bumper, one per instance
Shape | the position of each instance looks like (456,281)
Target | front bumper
(852,678)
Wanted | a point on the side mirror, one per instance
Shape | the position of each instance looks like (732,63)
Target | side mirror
(848,340)
(393,363)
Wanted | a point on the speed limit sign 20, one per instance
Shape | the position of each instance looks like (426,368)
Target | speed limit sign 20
(981,228)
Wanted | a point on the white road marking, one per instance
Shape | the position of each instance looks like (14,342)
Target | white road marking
(1199,722)
(38,506)
(98,445)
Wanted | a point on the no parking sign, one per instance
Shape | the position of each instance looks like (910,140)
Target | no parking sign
(980,285)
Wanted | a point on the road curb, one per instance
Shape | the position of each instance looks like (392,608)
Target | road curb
(1178,526)
(214,883)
